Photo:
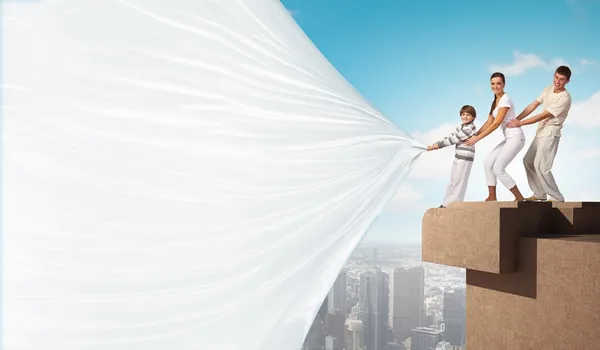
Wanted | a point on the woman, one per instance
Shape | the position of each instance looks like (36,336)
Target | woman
(501,113)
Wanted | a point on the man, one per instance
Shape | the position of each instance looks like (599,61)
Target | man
(539,158)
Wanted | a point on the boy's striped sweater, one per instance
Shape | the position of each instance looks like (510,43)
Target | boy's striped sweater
(460,135)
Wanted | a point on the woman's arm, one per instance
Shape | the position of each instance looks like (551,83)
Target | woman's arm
(487,123)
(488,130)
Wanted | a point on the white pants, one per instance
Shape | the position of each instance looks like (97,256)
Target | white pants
(459,179)
(538,165)
(496,162)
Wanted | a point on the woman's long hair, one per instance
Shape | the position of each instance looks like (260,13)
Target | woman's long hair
(496,75)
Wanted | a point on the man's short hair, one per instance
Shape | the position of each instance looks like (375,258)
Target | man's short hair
(564,70)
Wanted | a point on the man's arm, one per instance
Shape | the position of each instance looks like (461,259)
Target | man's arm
(536,118)
(529,109)
(558,106)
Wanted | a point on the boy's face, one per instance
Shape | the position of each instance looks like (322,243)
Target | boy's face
(466,117)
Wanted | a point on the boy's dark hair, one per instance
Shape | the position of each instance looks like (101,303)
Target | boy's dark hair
(468,109)
(564,70)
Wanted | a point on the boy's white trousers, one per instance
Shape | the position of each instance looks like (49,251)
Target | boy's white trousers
(459,180)
(496,162)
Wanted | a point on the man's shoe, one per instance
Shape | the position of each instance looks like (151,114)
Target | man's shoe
(535,199)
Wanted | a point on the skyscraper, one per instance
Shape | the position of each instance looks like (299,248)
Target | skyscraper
(374,308)
(335,326)
(426,338)
(354,330)
(333,343)
(407,292)
(335,320)
(455,316)
(338,294)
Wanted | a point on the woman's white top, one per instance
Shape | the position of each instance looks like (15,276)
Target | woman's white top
(506,101)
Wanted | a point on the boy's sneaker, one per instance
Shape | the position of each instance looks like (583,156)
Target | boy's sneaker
(535,199)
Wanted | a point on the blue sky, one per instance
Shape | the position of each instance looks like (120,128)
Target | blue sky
(418,62)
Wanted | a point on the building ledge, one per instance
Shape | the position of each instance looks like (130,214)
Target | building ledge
(484,236)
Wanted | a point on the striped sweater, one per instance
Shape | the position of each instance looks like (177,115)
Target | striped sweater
(460,135)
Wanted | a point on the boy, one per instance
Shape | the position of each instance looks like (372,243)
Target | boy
(463,156)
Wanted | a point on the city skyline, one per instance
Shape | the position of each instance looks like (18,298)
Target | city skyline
(391,301)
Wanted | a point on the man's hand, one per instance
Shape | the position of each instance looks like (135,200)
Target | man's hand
(514,123)
(471,140)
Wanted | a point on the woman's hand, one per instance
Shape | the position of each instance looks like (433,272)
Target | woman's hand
(472,140)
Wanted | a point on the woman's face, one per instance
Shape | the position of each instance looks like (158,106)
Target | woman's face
(497,85)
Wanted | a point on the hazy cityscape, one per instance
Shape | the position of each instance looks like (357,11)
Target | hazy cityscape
(386,298)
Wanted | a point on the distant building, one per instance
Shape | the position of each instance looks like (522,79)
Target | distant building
(374,308)
(407,293)
(455,316)
(335,326)
(333,343)
(354,334)
(337,298)
(426,338)
(444,345)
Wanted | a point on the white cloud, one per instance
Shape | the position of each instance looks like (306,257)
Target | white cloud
(524,62)
(589,153)
(586,113)
(585,62)
(434,164)
(405,198)
(581,8)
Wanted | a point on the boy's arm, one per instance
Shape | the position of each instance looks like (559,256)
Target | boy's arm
(449,140)
(466,132)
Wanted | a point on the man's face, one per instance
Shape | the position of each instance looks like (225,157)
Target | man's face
(560,81)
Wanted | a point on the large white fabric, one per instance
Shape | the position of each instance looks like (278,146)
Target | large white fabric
(179,174)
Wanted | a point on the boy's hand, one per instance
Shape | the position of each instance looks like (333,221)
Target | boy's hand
(429,148)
